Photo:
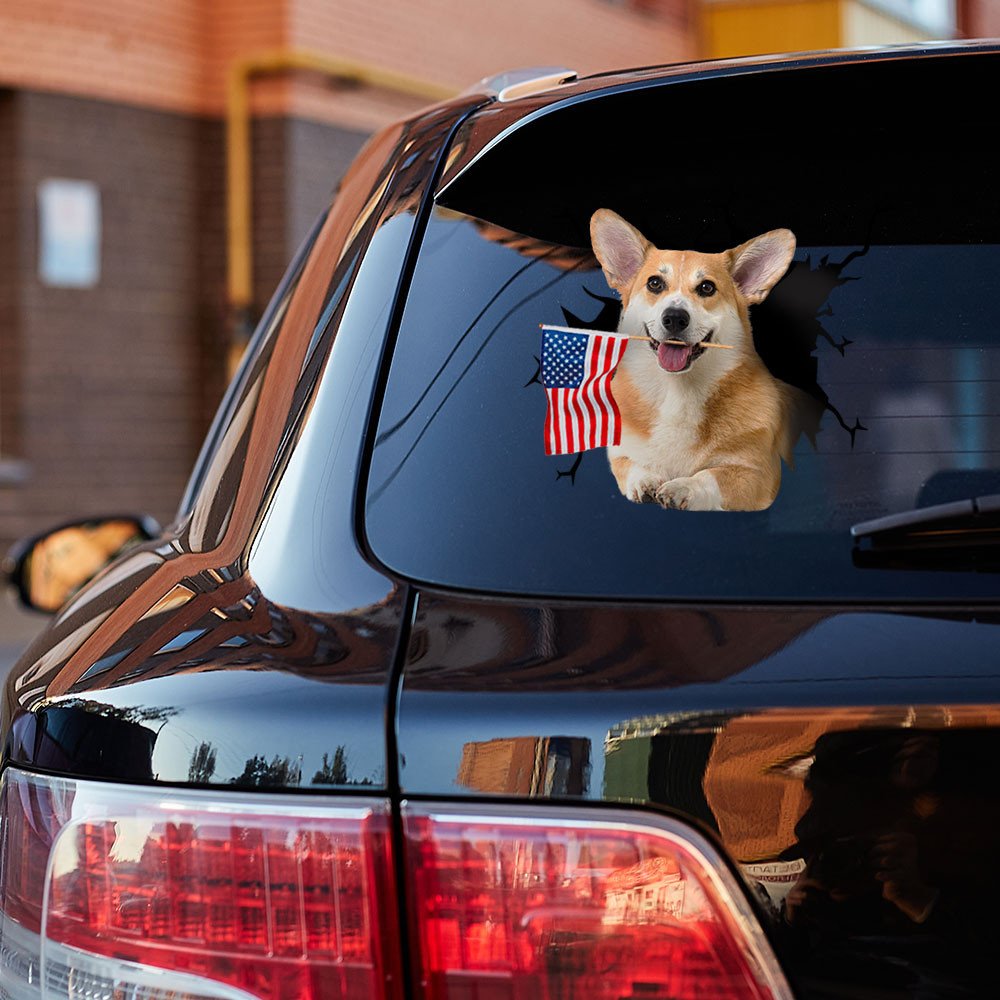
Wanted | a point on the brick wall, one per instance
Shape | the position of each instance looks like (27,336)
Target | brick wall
(137,51)
(979,18)
(109,406)
(105,393)
(455,42)
(211,266)
(9,290)
(174,54)
(296,165)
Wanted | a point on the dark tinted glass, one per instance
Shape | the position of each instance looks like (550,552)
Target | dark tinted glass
(893,333)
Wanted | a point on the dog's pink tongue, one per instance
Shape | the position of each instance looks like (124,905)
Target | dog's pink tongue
(673,357)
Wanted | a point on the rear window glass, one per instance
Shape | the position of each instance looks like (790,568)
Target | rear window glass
(876,330)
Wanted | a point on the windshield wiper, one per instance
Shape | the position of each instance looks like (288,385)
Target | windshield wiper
(961,535)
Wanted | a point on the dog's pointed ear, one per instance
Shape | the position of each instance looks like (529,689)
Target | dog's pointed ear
(619,247)
(759,264)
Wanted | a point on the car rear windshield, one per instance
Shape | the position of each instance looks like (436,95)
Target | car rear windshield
(884,323)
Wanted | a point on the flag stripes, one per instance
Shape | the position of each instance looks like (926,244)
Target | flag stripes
(576,372)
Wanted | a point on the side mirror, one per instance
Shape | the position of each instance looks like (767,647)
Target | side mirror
(47,569)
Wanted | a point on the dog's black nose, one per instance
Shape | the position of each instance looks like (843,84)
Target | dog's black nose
(675,320)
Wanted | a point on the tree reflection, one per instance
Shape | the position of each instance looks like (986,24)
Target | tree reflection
(280,772)
(137,715)
(283,772)
(202,766)
(335,772)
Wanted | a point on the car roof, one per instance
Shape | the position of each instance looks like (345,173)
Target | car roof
(492,122)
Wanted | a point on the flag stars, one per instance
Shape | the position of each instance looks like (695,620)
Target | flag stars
(563,358)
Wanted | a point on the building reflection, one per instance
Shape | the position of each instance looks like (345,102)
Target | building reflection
(661,758)
(645,892)
(845,823)
(463,645)
(527,765)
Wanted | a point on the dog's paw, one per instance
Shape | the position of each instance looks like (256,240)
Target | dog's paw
(690,493)
(641,485)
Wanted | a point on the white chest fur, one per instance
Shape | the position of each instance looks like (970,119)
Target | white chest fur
(664,437)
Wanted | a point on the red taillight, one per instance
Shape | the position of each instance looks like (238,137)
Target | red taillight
(276,898)
(156,894)
(556,906)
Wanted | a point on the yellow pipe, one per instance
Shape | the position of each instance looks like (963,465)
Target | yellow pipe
(239,223)
(239,263)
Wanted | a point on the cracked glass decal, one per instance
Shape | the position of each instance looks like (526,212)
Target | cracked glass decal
(690,415)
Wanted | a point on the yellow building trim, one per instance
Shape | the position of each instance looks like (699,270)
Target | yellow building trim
(755,27)
(239,220)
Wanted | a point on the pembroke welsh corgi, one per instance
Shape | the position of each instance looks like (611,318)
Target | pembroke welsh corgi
(702,429)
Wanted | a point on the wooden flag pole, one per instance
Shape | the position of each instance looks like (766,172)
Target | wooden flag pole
(592,333)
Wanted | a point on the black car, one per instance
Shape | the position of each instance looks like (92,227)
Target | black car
(400,705)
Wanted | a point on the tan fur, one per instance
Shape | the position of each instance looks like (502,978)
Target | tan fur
(712,435)
(620,468)
(747,402)
(743,420)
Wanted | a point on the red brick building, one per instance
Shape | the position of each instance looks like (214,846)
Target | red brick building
(106,385)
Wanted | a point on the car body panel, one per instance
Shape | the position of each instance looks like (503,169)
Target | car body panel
(248,693)
(485,671)
(164,633)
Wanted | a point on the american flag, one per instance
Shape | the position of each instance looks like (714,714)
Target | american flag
(576,371)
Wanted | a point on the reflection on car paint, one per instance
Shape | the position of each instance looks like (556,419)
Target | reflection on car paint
(527,765)
(126,719)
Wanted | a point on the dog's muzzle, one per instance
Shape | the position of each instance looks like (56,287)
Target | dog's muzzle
(675,354)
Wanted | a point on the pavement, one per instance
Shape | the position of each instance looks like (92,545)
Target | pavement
(18,627)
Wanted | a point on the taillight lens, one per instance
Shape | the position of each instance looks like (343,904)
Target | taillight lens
(561,904)
(116,892)
(103,888)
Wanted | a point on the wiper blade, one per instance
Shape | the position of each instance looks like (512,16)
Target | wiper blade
(959,517)
(961,535)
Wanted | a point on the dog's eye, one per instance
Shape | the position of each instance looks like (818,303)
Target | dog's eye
(655,284)
(706,289)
